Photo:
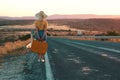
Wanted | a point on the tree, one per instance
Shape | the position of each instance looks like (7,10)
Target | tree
(112,33)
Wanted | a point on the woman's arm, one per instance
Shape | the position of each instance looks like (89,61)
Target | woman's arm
(45,29)
(37,33)
(45,32)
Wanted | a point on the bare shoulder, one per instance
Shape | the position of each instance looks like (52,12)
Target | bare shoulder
(35,21)
(46,21)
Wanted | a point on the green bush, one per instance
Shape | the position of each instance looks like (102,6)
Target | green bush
(24,37)
(112,33)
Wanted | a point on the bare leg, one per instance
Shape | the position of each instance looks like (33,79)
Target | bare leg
(39,57)
(42,58)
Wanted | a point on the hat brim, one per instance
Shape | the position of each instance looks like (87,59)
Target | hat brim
(40,15)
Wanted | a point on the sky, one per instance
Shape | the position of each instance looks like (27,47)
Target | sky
(18,8)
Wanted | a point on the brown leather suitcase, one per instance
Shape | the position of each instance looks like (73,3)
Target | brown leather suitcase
(39,47)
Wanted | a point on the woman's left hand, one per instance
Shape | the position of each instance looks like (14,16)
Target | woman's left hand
(40,39)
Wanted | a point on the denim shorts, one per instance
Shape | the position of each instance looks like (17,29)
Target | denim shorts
(40,33)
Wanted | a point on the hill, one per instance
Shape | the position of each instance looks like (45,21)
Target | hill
(91,24)
(58,16)
(82,16)
(81,21)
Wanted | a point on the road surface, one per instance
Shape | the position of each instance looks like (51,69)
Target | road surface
(69,60)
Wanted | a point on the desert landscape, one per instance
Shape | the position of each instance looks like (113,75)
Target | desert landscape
(82,42)
(15,35)
(18,32)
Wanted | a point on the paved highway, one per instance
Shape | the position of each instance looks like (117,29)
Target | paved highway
(84,60)
(66,60)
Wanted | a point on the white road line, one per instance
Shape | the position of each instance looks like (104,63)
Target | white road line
(95,52)
(113,50)
(92,46)
(49,74)
(103,48)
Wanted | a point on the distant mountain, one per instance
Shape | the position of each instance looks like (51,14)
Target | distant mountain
(57,16)
(82,16)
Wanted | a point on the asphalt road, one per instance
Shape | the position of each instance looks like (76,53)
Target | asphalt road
(24,67)
(84,60)
(69,60)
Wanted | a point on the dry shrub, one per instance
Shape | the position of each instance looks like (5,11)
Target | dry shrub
(3,50)
(18,44)
(114,40)
(10,46)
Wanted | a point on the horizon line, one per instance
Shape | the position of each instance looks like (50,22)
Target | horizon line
(68,15)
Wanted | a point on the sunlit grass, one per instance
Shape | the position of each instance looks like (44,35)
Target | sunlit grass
(11,46)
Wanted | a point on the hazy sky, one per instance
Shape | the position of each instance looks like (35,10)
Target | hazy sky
(30,7)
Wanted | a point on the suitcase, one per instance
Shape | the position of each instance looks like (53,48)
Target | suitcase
(39,47)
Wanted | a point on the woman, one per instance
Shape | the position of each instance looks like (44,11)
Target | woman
(41,28)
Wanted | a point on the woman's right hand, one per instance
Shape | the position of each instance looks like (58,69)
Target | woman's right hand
(40,39)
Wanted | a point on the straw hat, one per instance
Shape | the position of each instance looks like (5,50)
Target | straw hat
(40,15)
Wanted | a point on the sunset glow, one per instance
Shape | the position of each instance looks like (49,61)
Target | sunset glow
(30,7)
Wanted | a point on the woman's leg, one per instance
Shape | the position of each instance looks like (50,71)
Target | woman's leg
(39,56)
(42,58)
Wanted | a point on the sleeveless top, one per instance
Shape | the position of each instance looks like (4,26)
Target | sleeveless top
(41,24)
